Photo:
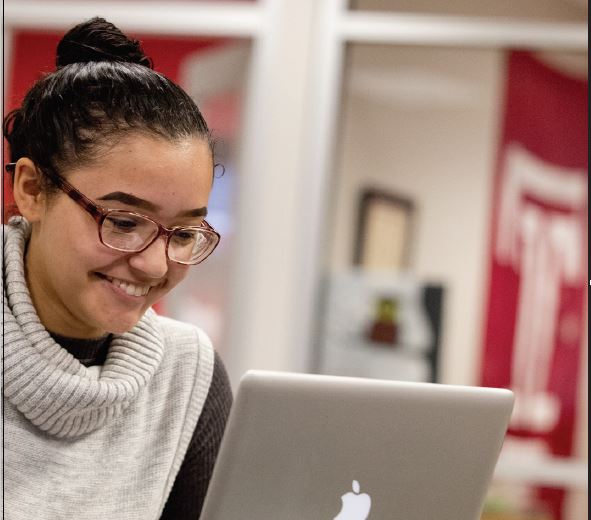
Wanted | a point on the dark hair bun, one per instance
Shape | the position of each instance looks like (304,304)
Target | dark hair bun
(98,40)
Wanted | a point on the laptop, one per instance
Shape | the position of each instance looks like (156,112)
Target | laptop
(313,447)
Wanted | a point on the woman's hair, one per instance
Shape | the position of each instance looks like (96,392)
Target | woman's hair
(103,88)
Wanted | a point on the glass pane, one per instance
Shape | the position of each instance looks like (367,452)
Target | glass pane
(419,136)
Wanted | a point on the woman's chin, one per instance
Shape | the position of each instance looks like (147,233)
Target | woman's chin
(122,325)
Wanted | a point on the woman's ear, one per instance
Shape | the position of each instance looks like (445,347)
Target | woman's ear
(27,192)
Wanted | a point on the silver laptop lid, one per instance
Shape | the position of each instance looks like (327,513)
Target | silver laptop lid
(303,447)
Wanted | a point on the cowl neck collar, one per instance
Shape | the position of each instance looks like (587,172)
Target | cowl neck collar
(51,388)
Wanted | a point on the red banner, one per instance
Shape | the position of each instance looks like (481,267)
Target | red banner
(535,310)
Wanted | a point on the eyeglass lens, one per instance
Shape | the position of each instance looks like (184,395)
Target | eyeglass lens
(127,232)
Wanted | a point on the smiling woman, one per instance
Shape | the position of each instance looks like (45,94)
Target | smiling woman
(112,168)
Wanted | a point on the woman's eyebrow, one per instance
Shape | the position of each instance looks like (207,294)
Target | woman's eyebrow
(197,212)
(132,200)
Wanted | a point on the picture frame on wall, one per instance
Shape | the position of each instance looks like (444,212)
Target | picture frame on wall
(384,227)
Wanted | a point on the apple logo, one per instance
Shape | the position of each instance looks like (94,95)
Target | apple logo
(355,506)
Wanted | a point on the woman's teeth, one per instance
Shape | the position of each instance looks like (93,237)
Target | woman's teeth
(130,288)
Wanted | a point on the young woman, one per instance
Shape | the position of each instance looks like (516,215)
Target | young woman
(110,411)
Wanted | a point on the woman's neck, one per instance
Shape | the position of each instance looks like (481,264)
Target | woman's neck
(89,351)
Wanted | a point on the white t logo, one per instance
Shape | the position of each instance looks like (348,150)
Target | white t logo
(355,506)
(545,249)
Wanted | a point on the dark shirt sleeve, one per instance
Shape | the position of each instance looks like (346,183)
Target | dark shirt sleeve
(190,486)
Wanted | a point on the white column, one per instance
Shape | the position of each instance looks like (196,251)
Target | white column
(279,195)
(320,135)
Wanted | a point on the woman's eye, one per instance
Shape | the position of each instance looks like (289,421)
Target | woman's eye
(122,224)
(184,236)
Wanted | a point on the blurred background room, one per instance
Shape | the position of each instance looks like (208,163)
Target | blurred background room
(403,196)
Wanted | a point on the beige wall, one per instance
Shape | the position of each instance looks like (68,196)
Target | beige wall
(423,123)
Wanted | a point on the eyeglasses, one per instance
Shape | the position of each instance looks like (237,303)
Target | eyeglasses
(132,232)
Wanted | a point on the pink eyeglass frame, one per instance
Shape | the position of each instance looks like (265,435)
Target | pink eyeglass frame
(100,213)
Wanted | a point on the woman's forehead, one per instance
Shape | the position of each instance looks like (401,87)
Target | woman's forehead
(143,149)
(138,157)
(163,173)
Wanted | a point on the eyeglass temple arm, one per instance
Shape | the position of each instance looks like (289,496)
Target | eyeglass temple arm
(96,211)
(79,198)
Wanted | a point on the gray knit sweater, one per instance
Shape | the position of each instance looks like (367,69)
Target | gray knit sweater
(122,428)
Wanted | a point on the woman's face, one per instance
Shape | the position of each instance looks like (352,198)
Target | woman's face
(76,281)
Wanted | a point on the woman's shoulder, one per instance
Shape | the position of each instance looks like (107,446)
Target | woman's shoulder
(188,352)
(172,326)
(182,333)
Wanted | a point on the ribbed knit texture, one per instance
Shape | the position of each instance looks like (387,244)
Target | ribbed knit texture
(122,428)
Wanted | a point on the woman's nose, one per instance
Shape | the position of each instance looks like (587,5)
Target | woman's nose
(152,261)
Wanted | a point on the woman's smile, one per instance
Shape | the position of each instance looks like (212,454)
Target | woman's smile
(135,289)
